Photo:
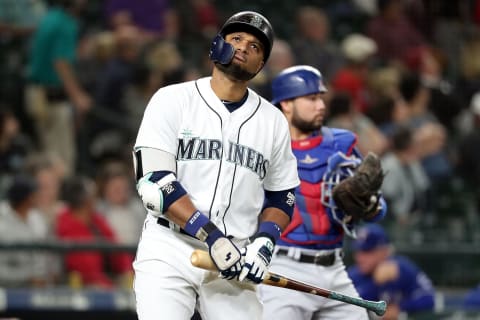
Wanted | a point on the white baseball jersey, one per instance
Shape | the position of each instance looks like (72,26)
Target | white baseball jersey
(225,160)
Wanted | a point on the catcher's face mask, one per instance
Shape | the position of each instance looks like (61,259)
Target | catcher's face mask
(339,167)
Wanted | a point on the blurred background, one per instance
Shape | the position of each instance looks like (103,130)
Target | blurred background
(76,76)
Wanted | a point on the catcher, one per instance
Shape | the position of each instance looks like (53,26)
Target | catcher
(338,189)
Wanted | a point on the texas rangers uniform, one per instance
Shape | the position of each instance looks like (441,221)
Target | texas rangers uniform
(408,287)
(412,291)
(310,249)
(225,161)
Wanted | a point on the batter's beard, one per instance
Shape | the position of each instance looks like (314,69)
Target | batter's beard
(235,71)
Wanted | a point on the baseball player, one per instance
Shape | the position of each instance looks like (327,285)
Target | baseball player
(379,274)
(310,248)
(216,172)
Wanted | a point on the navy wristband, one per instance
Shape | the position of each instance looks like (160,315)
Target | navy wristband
(200,227)
(270,230)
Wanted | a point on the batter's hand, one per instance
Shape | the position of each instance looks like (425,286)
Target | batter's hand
(258,255)
(227,257)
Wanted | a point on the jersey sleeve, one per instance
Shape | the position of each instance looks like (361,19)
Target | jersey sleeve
(419,292)
(161,121)
(282,173)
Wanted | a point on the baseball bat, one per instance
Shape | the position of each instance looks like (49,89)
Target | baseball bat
(201,259)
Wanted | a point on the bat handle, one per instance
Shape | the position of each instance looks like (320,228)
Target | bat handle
(379,307)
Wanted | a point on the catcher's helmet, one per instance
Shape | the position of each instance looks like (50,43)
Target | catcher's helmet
(246,21)
(295,82)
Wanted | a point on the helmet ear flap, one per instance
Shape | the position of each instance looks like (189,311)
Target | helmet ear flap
(221,51)
(250,22)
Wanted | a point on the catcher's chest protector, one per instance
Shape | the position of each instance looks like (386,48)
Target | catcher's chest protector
(312,155)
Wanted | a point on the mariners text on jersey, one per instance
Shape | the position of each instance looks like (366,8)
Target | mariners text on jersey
(211,149)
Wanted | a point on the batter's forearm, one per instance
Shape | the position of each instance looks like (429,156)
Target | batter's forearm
(180,211)
(276,216)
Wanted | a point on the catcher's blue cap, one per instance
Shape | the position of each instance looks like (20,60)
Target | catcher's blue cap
(295,82)
(370,236)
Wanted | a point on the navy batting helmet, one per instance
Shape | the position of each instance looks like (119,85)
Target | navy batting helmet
(295,82)
(246,21)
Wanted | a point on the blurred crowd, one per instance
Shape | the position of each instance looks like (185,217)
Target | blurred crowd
(76,76)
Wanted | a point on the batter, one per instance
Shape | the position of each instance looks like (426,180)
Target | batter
(216,172)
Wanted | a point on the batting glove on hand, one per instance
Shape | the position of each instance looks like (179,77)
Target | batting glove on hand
(258,255)
(223,251)
(227,257)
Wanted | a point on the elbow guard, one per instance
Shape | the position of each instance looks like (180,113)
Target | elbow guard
(159,190)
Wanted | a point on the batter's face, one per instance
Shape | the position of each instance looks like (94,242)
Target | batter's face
(248,58)
(306,113)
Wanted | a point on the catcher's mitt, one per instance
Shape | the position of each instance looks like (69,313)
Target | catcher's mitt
(358,195)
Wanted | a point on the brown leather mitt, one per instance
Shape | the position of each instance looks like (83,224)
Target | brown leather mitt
(358,195)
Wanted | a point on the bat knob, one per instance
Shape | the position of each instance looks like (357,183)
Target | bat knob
(381,308)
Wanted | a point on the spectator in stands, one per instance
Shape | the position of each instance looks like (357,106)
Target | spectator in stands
(429,133)
(281,57)
(95,51)
(406,184)
(21,223)
(54,86)
(114,79)
(469,153)
(312,43)
(379,274)
(205,17)
(358,51)
(49,173)
(145,81)
(388,109)
(163,57)
(388,113)
(14,148)
(121,207)
(80,222)
(393,33)
(342,114)
(19,18)
(469,65)
(444,103)
(384,82)
(150,16)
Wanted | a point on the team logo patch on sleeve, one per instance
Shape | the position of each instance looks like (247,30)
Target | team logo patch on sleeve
(290,199)
(168,188)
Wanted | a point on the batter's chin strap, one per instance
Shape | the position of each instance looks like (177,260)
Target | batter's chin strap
(221,51)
